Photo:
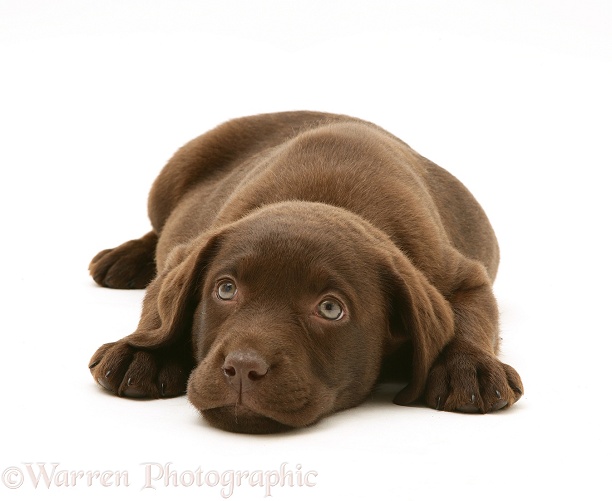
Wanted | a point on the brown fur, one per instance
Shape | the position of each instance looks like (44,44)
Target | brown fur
(295,209)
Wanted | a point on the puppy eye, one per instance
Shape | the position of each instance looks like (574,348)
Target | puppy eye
(227,290)
(331,309)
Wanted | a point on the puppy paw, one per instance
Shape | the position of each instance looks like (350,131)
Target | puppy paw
(467,379)
(129,372)
(129,266)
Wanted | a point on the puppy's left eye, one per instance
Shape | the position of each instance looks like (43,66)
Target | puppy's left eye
(331,309)
(227,290)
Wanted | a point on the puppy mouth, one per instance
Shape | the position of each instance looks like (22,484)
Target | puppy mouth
(239,418)
(264,408)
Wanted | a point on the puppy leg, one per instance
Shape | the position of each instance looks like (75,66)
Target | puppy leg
(467,376)
(129,266)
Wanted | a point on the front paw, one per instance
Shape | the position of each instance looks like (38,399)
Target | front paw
(465,378)
(129,372)
(129,266)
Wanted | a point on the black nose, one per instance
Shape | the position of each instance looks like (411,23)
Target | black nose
(243,368)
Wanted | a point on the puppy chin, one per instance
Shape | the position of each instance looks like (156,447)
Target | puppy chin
(240,419)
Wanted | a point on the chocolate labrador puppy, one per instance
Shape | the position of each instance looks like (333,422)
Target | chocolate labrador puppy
(296,259)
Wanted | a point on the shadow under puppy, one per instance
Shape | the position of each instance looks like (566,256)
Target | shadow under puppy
(295,260)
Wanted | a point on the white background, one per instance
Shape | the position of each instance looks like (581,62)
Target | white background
(512,97)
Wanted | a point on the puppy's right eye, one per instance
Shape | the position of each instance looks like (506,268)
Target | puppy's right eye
(331,309)
(226,290)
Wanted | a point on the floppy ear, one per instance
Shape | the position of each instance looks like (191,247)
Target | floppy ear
(171,299)
(420,317)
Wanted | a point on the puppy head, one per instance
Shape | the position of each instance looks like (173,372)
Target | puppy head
(292,310)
